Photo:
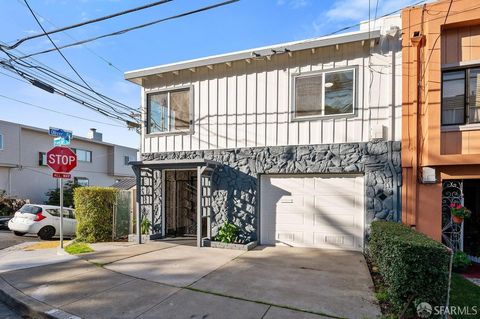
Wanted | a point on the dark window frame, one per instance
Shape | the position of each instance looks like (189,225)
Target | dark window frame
(466,94)
(76,178)
(41,157)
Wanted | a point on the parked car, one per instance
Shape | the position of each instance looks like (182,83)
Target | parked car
(43,220)
(4,222)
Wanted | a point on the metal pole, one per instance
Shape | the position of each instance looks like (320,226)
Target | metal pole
(61,213)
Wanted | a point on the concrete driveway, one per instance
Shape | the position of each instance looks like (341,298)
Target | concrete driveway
(165,280)
(322,281)
(328,282)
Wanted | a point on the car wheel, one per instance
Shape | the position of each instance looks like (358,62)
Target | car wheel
(46,232)
(17,233)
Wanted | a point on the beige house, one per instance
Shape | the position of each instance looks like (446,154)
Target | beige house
(23,169)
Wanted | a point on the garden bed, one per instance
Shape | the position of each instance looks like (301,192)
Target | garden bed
(218,244)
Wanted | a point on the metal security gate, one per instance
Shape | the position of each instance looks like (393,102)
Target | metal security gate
(452,233)
(150,199)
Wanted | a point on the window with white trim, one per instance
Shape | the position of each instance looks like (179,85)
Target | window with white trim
(326,93)
(81,181)
(169,111)
(1,142)
(83,155)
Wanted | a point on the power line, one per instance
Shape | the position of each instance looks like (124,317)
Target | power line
(58,112)
(47,76)
(131,28)
(16,44)
(60,52)
(109,63)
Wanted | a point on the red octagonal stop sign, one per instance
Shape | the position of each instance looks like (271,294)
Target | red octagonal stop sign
(61,159)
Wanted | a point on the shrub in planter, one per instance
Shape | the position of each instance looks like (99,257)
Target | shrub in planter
(228,233)
(460,261)
(414,267)
(94,213)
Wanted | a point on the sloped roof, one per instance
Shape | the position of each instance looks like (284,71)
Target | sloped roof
(125,183)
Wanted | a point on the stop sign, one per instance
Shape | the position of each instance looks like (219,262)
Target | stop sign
(61,159)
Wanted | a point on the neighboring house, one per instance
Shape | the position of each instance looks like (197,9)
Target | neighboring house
(23,169)
(441,120)
(296,143)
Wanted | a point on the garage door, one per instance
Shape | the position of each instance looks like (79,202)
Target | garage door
(324,211)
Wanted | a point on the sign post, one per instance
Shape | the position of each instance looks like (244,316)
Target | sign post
(62,160)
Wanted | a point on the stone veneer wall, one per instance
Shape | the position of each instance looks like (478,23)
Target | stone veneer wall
(235,182)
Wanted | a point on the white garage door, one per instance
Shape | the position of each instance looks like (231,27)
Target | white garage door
(324,211)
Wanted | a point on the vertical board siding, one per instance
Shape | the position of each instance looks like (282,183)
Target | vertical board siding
(250,104)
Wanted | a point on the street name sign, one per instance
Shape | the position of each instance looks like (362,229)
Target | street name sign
(53,131)
(61,141)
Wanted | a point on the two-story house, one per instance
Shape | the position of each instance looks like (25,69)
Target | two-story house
(25,174)
(441,120)
(296,143)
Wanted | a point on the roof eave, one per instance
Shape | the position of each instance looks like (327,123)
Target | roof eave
(136,76)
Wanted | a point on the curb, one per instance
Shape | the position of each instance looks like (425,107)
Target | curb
(27,306)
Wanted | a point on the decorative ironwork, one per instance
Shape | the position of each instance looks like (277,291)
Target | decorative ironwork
(452,233)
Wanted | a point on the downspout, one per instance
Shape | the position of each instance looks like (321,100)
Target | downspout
(396,184)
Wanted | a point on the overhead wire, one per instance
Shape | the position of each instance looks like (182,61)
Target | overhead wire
(102,58)
(58,112)
(123,31)
(110,16)
(65,58)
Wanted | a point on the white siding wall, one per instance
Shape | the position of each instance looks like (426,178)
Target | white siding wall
(249,104)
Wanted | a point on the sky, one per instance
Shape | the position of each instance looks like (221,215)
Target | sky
(242,25)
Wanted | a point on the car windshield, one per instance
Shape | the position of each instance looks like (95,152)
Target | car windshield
(30,209)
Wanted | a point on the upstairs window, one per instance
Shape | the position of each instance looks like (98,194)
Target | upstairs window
(83,155)
(1,142)
(328,93)
(460,101)
(169,111)
(126,160)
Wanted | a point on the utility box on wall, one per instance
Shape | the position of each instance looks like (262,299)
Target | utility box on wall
(429,175)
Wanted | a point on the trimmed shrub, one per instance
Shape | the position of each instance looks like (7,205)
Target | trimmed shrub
(414,267)
(94,213)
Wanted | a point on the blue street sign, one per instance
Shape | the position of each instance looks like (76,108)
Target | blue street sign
(60,132)
(61,141)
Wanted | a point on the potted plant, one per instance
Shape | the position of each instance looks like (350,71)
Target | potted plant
(459,213)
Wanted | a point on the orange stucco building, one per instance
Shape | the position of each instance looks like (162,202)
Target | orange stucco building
(441,116)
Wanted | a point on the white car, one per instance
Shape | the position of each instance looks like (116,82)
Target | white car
(43,220)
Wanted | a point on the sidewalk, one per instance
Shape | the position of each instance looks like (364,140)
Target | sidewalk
(108,284)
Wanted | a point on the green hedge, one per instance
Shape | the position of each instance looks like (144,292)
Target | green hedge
(94,213)
(414,267)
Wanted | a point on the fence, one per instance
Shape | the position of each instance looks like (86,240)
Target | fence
(123,215)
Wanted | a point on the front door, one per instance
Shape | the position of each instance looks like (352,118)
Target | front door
(181,203)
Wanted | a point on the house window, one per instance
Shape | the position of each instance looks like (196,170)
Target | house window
(126,159)
(81,181)
(169,111)
(83,155)
(460,103)
(1,142)
(42,159)
(326,93)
